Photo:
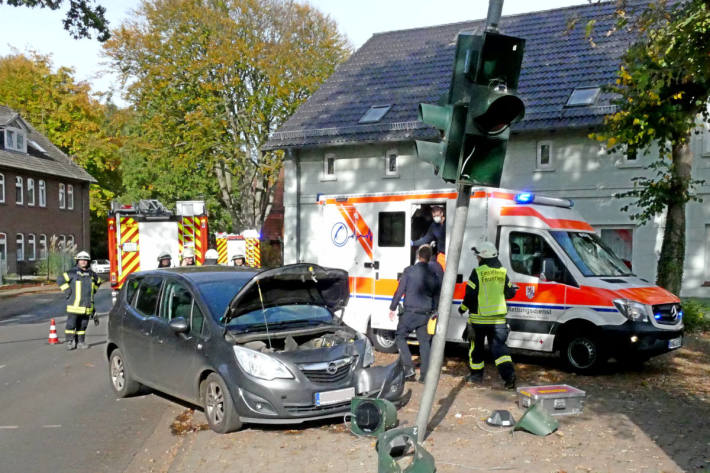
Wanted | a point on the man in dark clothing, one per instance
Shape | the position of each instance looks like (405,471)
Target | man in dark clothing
(79,285)
(436,232)
(486,291)
(420,287)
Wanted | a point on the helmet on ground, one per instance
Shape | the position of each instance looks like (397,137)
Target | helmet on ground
(164,255)
(485,249)
(237,256)
(211,254)
(82,255)
(188,253)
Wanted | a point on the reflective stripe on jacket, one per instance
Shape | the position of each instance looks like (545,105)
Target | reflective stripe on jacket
(486,291)
(79,288)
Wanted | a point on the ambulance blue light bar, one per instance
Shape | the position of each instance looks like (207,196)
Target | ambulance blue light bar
(531,198)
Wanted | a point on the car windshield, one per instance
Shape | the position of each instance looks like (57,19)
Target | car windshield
(591,256)
(218,295)
(281,316)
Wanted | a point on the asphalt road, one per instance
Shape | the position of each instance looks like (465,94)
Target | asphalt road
(57,410)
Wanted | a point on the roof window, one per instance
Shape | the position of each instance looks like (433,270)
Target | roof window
(582,96)
(35,145)
(375,113)
(15,140)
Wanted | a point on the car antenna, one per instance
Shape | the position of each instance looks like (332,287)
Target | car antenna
(263,311)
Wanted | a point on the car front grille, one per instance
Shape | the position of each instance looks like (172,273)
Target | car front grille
(328,372)
(667,314)
(313,409)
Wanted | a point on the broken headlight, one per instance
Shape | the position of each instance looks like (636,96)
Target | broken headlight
(260,365)
(632,310)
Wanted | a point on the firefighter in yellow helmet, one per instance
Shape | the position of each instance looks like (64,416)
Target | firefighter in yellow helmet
(486,291)
(79,285)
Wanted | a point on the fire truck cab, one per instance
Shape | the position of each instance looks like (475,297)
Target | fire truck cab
(575,296)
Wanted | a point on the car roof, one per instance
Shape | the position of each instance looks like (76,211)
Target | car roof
(205,273)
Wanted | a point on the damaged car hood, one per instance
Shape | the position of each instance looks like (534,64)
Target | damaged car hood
(301,283)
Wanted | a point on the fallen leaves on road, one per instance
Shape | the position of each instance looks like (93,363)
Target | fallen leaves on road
(183,423)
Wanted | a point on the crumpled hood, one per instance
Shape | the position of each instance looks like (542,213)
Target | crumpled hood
(301,283)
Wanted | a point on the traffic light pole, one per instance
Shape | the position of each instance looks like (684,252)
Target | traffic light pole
(453,256)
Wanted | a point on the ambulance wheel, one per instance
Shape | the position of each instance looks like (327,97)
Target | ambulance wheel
(582,353)
(382,340)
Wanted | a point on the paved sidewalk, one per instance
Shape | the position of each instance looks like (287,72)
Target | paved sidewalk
(13,290)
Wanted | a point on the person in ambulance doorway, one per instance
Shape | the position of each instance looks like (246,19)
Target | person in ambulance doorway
(79,285)
(239,260)
(420,287)
(435,235)
(211,256)
(486,291)
(164,260)
(188,257)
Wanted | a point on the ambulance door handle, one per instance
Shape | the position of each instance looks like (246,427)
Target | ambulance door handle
(372,265)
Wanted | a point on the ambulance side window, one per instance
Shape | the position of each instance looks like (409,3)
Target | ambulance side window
(531,255)
(390,229)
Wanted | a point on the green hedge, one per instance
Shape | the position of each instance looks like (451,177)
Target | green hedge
(696,315)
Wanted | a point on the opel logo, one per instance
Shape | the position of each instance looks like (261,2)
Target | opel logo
(332,368)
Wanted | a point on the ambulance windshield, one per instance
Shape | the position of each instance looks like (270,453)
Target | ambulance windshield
(591,256)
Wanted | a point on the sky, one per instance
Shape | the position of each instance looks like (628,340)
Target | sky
(23,29)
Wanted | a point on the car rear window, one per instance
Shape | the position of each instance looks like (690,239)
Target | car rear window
(218,294)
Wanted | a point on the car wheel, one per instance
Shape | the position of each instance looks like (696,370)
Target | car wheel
(219,408)
(582,353)
(121,380)
(382,340)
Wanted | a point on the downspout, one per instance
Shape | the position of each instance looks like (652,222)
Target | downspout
(291,153)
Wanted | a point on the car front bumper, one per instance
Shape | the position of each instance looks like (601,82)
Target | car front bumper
(642,339)
(293,401)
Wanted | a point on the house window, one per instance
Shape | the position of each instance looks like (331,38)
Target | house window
(391,164)
(18,191)
(15,140)
(30,192)
(70,197)
(61,196)
(583,96)
(375,113)
(31,247)
(391,228)
(43,246)
(2,188)
(70,241)
(3,247)
(61,242)
(620,241)
(544,155)
(20,247)
(329,167)
(42,193)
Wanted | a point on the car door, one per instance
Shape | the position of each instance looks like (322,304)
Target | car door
(175,356)
(141,307)
(534,266)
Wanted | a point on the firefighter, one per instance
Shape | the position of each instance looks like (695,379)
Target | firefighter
(239,260)
(211,256)
(79,285)
(420,287)
(436,235)
(486,291)
(188,257)
(164,260)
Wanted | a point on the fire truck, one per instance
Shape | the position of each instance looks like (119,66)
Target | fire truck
(138,233)
(246,244)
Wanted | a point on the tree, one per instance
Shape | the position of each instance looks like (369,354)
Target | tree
(210,80)
(663,87)
(64,111)
(81,17)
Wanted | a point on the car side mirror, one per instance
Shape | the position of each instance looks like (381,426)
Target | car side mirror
(179,325)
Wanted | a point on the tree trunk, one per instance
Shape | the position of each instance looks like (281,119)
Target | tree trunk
(669,273)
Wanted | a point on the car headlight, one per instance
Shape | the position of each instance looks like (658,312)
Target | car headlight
(369,357)
(632,310)
(260,365)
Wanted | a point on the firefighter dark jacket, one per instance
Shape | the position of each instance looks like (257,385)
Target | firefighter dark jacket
(79,287)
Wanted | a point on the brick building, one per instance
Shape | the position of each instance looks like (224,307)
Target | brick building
(43,193)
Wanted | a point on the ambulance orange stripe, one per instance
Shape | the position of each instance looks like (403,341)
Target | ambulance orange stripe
(431,195)
(551,222)
(358,226)
(387,287)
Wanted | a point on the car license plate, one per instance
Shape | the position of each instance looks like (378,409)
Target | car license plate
(675,343)
(333,397)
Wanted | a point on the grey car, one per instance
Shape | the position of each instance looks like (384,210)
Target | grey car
(248,346)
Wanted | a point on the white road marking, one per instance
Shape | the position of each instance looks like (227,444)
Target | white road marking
(9,427)
(51,426)
(2,366)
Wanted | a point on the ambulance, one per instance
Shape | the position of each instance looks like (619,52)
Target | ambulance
(575,297)
(138,233)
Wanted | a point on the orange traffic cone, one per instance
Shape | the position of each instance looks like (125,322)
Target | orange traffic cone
(53,333)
